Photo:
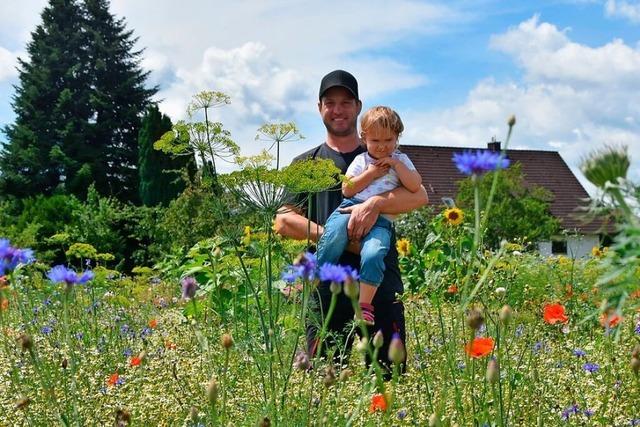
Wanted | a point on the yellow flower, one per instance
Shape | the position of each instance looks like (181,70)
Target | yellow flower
(403,246)
(596,252)
(246,239)
(454,216)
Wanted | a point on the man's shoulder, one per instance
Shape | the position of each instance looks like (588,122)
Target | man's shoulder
(309,154)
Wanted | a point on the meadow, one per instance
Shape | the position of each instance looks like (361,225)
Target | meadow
(495,336)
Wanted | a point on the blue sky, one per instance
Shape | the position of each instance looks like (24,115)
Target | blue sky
(454,70)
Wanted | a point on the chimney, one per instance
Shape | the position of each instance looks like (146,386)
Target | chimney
(493,145)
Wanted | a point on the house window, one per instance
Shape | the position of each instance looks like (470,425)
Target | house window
(559,247)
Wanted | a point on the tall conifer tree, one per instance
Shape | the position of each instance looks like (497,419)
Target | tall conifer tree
(51,105)
(160,180)
(78,106)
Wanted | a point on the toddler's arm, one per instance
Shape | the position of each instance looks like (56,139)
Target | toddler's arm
(358,183)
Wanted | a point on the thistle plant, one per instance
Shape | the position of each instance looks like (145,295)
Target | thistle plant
(276,133)
(607,169)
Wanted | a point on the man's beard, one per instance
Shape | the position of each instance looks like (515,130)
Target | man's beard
(348,131)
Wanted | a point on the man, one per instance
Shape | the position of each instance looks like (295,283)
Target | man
(339,106)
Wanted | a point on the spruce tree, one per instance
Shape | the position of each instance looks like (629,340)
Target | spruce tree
(118,100)
(78,106)
(51,105)
(160,180)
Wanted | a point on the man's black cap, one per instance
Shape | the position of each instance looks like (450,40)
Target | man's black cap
(339,78)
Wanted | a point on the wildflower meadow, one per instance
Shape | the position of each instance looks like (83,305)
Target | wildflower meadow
(214,335)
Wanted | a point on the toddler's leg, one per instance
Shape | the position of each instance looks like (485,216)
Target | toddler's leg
(334,239)
(375,247)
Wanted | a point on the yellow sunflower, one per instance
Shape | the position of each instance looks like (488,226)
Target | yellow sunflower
(403,246)
(596,252)
(454,216)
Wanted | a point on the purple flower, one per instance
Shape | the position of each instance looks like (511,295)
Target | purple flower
(292,273)
(352,273)
(62,274)
(127,352)
(578,352)
(634,422)
(479,162)
(332,273)
(519,331)
(591,367)
(10,257)
(402,414)
(189,287)
(46,330)
(571,410)
(637,329)
(588,413)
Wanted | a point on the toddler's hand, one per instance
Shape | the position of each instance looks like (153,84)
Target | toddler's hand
(388,162)
(377,170)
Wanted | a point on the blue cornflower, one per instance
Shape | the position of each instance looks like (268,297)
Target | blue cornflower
(292,273)
(519,330)
(637,329)
(571,410)
(145,332)
(47,301)
(588,412)
(46,330)
(127,352)
(351,272)
(79,336)
(402,414)
(635,422)
(591,367)
(308,264)
(578,352)
(479,162)
(461,365)
(189,287)
(537,347)
(332,273)
(124,329)
(10,257)
(62,274)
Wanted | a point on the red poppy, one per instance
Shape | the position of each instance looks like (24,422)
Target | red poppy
(453,289)
(169,345)
(480,347)
(113,379)
(378,403)
(610,320)
(135,361)
(153,323)
(554,313)
(4,304)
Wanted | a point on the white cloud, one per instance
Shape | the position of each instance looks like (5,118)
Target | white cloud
(8,63)
(573,99)
(623,9)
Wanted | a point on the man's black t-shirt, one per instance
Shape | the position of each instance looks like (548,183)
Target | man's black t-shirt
(324,203)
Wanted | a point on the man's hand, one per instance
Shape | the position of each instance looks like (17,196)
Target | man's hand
(363,216)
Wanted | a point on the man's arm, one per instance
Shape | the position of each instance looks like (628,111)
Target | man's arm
(397,201)
(291,223)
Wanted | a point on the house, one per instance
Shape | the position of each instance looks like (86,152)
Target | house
(544,168)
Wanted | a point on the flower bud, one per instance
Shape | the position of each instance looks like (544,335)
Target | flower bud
(636,351)
(345,374)
(226,340)
(335,288)
(362,345)
(351,289)
(500,291)
(65,363)
(189,287)
(505,315)
(378,339)
(301,362)
(329,377)
(212,390)
(193,413)
(26,343)
(635,365)
(434,420)
(23,403)
(493,371)
(512,120)
(123,418)
(265,422)
(475,319)
(397,353)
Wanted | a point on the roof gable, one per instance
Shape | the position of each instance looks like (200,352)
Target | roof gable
(544,168)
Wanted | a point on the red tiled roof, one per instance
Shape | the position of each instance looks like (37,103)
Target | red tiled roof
(543,168)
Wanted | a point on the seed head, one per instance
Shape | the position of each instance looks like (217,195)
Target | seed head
(635,365)
(506,313)
(606,165)
(397,352)
(227,341)
(512,120)
(212,390)
(475,319)
(329,377)
(26,342)
(493,371)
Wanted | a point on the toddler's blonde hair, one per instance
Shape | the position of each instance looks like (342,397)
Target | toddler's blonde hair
(383,117)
